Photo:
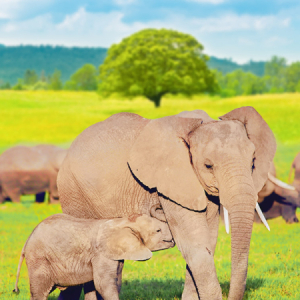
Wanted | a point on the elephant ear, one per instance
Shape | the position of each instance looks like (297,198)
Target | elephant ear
(122,243)
(160,159)
(261,136)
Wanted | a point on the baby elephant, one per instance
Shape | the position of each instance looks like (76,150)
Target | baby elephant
(65,251)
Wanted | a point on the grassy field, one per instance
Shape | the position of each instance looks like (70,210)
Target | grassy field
(58,117)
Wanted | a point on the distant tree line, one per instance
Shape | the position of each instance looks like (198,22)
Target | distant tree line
(278,78)
(84,79)
(15,60)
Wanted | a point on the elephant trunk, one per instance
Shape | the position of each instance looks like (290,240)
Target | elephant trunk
(239,198)
(241,220)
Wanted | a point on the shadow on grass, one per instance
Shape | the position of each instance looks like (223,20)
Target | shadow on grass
(152,289)
(252,284)
(169,289)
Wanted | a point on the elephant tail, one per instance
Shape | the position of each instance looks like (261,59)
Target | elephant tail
(16,290)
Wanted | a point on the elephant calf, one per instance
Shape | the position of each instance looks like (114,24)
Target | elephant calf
(65,251)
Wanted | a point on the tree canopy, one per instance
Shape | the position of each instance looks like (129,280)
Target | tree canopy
(155,62)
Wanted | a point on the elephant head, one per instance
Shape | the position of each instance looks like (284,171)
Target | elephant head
(134,238)
(186,157)
(279,199)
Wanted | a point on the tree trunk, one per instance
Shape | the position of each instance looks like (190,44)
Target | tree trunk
(156,99)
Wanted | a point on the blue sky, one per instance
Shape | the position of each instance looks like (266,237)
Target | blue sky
(241,30)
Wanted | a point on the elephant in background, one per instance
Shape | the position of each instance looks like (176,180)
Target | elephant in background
(278,199)
(187,163)
(30,170)
(296,167)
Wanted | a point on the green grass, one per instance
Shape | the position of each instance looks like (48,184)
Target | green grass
(58,117)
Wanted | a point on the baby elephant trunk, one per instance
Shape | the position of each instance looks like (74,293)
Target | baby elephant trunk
(165,237)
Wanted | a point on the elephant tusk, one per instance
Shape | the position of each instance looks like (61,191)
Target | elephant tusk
(280,183)
(226,219)
(262,217)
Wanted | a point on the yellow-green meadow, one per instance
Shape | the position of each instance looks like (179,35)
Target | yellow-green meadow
(32,117)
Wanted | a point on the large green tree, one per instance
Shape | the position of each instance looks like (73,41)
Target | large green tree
(154,62)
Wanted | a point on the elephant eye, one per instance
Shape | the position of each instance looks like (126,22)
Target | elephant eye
(208,166)
(159,230)
(253,166)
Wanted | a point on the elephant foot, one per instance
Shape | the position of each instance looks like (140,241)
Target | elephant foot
(40,197)
(292,220)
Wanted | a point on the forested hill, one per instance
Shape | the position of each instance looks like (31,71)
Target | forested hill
(227,65)
(15,60)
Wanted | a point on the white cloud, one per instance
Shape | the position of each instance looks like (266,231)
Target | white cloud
(12,9)
(79,29)
(233,22)
(84,28)
(79,18)
(9,8)
(207,1)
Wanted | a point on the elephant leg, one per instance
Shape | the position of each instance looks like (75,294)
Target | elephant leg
(289,213)
(40,197)
(91,296)
(192,235)
(105,277)
(53,199)
(190,291)
(71,293)
(119,274)
(90,292)
(213,216)
(15,195)
(2,197)
(40,286)
(53,191)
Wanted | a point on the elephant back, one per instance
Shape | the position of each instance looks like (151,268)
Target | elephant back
(22,158)
(91,179)
(54,155)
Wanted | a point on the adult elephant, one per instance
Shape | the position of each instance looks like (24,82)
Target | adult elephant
(30,170)
(189,163)
(278,199)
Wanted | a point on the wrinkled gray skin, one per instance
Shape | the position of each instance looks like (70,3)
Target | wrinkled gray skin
(190,164)
(276,201)
(30,170)
(296,168)
(66,251)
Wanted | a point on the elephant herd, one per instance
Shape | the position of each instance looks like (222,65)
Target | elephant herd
(188,166)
